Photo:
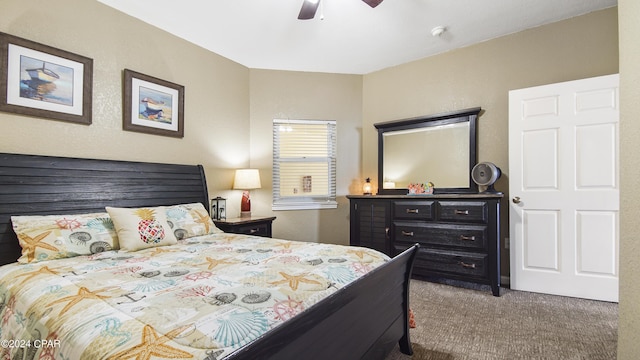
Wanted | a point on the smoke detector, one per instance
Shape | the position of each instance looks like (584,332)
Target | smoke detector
(438,30)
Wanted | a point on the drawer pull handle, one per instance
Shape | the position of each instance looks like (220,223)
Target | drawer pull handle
(407,233)
(468,238)
(462,212)
(253,231)
(412,211)
(468,266)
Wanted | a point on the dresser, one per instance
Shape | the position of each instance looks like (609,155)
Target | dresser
(459,234)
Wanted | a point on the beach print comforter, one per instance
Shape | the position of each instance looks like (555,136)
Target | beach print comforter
(203,298)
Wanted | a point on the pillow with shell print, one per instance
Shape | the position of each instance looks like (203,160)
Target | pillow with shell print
(49,237)
(141,228)
(189,220)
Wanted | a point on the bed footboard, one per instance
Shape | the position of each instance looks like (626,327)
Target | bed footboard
(362,321)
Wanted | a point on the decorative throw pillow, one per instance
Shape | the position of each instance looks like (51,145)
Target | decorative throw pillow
(189,220)
(141,228)
(48,237)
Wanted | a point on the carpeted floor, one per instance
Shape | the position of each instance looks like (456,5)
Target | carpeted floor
(458,323)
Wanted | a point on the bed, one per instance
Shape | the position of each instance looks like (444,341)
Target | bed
(338,317)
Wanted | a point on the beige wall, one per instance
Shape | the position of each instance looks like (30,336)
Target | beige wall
(482,75)
(297,95)
(216,91)
(225,123)
(229,108)
(629,311)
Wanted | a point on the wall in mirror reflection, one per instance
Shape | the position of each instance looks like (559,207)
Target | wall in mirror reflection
(438,154)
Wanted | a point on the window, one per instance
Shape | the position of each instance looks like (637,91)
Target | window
(304,164)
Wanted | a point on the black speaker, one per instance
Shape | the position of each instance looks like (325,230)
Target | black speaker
(486,174)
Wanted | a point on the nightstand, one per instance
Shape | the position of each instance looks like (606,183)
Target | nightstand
(255,225)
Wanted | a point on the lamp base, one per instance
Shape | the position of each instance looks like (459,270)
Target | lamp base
(245,204)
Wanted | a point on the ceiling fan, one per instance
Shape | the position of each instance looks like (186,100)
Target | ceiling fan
(309,8)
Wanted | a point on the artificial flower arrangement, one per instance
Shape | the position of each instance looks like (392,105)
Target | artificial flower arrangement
(421,189)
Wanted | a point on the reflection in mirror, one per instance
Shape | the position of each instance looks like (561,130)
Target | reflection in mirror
(438,154)
(438,148)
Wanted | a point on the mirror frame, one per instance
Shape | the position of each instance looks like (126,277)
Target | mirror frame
(470,115)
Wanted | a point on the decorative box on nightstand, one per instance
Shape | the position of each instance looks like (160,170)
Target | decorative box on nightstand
(255,225)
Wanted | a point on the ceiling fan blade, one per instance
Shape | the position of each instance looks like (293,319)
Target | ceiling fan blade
(372,3)
(308,10)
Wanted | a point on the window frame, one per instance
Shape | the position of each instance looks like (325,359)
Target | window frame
(327,201)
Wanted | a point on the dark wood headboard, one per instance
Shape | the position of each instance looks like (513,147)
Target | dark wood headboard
(43,185)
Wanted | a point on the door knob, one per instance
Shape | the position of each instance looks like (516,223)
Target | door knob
(516,200)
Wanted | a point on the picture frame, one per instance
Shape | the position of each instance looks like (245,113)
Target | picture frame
(152,106)
(42,81)
(306,183)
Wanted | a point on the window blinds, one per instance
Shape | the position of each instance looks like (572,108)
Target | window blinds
(304,164)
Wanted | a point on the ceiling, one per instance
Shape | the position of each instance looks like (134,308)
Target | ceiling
(346,36)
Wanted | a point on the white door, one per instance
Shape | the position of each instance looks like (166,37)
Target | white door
(564,188)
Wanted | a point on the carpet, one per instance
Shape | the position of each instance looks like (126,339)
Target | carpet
(459,323)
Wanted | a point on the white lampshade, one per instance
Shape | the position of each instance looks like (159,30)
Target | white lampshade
(247,179)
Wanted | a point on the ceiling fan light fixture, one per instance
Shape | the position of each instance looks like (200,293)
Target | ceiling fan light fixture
(308,10)
(372,3)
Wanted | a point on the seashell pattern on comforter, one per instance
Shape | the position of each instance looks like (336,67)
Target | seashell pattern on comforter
(203,298)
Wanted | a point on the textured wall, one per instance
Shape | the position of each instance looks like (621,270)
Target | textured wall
(482,75)
(216,91)
(229,108)
(629,323)
(298,95)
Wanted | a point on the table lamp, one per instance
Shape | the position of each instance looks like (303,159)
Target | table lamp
(245,180)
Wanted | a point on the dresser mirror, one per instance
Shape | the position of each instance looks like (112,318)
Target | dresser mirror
(438,148)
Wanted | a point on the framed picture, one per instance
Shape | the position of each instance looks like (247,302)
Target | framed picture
(152,106)
(42,81)
(306,183)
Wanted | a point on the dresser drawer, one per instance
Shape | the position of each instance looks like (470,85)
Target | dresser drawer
(254,229)
(463,236)
(463,211)
(459,234)
(259,226)
(457,263)
(414,210)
